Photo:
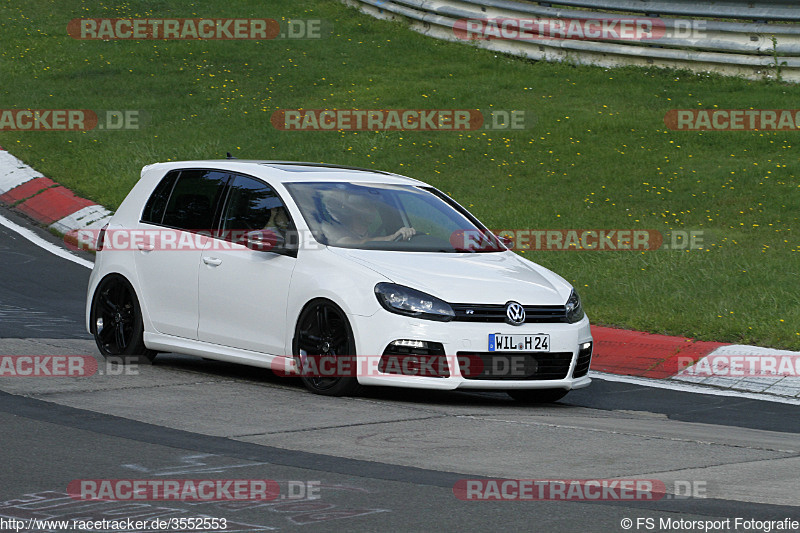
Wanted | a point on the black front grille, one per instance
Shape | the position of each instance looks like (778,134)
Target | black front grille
(583,362)
(497,313)
(514,366)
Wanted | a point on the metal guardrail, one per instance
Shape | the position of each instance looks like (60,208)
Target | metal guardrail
(757,40)
(748,10)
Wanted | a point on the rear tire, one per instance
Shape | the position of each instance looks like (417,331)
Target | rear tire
(324,337)
(116,321)
(537,395)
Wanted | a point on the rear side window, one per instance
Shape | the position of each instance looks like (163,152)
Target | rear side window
(251,205)
(157,204)
(194,198)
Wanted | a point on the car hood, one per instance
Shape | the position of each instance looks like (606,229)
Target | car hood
(488,278)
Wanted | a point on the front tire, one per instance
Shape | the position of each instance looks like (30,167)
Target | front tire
(324,340)
(537,395)
(116,321)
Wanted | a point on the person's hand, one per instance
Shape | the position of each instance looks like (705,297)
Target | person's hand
(404,234)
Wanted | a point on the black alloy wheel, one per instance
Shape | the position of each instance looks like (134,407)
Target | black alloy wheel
(116,320)
(324,349)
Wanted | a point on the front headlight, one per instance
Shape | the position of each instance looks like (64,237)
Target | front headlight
(411,302)
(574,308)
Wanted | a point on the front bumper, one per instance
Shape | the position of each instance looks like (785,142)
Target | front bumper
(469,341)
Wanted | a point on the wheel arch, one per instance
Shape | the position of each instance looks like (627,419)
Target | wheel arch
(101,272)
(132,340)
(295,322)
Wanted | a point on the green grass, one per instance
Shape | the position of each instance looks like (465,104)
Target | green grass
(599,155)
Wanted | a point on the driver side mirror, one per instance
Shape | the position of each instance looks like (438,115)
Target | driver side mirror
(269,240)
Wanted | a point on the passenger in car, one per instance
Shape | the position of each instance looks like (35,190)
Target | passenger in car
(278,220)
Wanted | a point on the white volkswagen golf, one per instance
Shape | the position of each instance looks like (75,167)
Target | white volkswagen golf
(343,277)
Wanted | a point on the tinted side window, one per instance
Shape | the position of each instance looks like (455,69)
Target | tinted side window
(157,204)
(252,205)
(194,198)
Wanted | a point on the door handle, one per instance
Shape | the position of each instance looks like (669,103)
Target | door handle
(146,247)
(212,261)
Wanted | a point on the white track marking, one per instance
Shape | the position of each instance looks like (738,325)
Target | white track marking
(42,243)
(696,389)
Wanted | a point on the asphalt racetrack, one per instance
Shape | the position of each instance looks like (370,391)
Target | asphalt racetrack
(388,460)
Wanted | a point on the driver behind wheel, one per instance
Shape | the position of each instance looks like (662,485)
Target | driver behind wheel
(355,218)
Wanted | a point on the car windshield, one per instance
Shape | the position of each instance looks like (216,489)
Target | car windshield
(373,216)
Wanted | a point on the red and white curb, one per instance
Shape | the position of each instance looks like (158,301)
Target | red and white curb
(747,371)
(44,200)
(747,368)
(619,354)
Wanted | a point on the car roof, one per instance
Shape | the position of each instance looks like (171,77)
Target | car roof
(290,171)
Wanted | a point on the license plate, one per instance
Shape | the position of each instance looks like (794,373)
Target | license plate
(519,343)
